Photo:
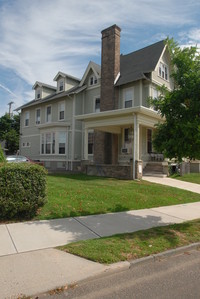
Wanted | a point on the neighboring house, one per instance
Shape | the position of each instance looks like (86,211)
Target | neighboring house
(101,124)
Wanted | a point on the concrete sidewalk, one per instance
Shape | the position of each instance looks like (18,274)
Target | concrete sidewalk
(173,183)
(36,235)
(28,268)
(29,265)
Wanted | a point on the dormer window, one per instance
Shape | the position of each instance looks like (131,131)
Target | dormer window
(61,85)
(163,71)
(92,80)
(38,94)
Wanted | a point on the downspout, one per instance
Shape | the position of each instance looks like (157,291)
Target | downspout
(73,130)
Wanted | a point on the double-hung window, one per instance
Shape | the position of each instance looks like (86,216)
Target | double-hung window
(27,118)
(48,141)
(37,116)
(61,111)
(61,85)
(90,143)
(48,114)
(163,71)
(97,105)
(128,97)
(92,80)
(61,142)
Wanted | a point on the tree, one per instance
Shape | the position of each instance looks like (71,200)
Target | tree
(9,131)
(2,157)
(179,135)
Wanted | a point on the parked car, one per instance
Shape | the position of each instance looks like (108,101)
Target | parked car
(19,159)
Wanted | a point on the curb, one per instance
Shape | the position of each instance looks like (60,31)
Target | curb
(165,254)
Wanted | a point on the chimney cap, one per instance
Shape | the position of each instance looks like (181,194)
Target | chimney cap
(111,28)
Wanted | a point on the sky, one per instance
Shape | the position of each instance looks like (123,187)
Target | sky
(39,38)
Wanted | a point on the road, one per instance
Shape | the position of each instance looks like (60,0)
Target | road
(172,277)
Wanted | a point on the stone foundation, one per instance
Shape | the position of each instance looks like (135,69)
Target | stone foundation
(105,170)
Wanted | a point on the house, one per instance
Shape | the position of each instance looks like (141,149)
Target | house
(101,124)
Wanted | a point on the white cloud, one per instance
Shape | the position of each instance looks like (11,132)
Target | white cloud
(41,37)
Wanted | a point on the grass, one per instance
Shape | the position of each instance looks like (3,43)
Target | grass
(136,245)
(79,195)
(191,178)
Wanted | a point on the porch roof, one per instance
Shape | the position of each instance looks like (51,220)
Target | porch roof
(113,120)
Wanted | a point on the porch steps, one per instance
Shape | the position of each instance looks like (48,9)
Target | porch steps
(154,169)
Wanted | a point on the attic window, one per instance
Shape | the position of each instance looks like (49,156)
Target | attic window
(92,80)
(38,94)
(163,71)
(61,86)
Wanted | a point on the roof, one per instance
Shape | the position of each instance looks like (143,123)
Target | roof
(136,65)
(61,74)
(96,68)
(71,91)
(40,84)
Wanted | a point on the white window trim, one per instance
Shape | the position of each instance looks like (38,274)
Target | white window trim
(94,82)
(162,64)
(94,103)
(61,81)
(59,105)
(26,119)
(38,91)
(46,114)
(124,99)
(56,153)
(90,131)
(39,108)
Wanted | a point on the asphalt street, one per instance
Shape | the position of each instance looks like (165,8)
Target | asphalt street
(176,277)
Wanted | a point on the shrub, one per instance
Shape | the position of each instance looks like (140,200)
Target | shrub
(2,157)
(22,190)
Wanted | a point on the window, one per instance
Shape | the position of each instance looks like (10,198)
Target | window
(149,141)
(128,98)
(93,80)
(26,144)
(62,142)
(53,143)
(90,143)
(48,143)
(61,85)
(163,71)
(37,116)
(27,116)
(38,94)
(48,114)
(97,105)
(61,111)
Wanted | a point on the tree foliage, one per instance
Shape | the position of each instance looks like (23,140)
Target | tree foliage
(179,135)
(9,131)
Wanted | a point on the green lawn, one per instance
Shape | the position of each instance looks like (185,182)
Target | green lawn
(77,195)
(138,244)
(192,177)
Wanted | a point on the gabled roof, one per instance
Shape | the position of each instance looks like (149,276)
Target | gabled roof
(61,74)
(136,65)
(96,68)
(40,84)
(71,91)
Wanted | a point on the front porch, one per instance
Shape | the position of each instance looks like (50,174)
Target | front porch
(122,142)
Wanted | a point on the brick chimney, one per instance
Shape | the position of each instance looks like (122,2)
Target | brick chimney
(110,67)
(106,144)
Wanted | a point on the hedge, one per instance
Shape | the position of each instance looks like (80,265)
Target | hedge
(2,157)
(22,190)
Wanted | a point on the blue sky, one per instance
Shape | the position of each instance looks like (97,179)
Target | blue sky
(38,38)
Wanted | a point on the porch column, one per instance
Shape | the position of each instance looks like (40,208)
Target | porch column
(135,145)
(86,144)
